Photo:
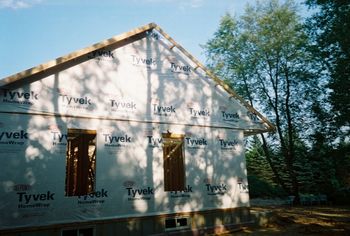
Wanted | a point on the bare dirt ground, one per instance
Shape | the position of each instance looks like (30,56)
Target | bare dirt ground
(304,220)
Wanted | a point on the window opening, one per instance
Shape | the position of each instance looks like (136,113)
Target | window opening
(174,162)
(80,162)
(177,223)
(78,232)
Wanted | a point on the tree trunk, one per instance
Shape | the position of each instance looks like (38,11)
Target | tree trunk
(290,154)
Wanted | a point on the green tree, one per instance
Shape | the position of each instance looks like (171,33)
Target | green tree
(330,27)
(262,182)
(264,55)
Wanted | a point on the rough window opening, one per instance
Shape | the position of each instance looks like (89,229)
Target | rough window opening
(174,162)
(80,162)
(78,232)
(177,223)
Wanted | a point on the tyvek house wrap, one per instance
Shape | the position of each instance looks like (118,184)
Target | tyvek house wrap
(137,91)
(144,80)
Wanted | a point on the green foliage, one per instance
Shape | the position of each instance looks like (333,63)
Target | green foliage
(257,164)
(341,196)
(259,188)
(330,27)
(330,153)
(261,180)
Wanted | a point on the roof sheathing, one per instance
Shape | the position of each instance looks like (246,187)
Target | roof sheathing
(77,57)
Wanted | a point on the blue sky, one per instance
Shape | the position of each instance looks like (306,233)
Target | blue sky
(36,31)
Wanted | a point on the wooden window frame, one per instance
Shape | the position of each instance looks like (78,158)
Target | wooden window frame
(80,162)
(174,162)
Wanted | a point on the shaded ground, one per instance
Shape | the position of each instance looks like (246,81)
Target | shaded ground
(305,220)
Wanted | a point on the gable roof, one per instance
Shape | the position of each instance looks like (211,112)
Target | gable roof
(76,57)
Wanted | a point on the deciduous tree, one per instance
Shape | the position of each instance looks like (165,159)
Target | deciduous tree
(330,27)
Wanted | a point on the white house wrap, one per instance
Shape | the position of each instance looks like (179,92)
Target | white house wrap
(128,92)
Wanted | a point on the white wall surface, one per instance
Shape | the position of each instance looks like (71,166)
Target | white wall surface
(129,175)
